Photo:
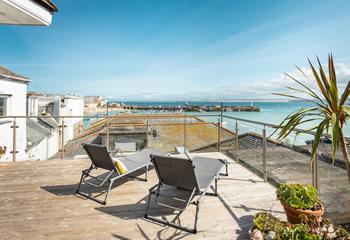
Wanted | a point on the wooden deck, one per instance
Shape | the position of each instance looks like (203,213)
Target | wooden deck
(37,201)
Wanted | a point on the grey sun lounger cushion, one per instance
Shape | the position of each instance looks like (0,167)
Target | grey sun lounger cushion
(100,158)
(131,165)
(139,157)
(138,160)
(183,173)
(196,175)
(207,165)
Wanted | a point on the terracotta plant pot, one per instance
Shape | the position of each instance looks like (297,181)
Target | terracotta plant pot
(293,213)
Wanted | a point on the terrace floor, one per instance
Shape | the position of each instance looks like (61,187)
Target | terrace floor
(38,201)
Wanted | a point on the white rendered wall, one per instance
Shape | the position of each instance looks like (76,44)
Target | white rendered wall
(16,106)
(71,106)
(32,106)
(46,148)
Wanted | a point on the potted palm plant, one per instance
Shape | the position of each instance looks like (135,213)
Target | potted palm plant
(298,199)
(329,113)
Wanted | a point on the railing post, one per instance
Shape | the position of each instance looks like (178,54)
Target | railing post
(237,143)
(219,135)
(264,154)
(62,138)
(107,132)
(315,175)
(14,140)
(147,134)
(221,113)
(185,132)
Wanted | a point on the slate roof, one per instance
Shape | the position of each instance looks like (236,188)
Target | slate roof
(253,142)
(48,122)
(36,132)
(246,141)
(6,73)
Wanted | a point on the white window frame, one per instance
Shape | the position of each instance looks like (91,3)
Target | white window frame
(5,98)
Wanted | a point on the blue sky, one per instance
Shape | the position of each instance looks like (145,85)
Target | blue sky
(183,49)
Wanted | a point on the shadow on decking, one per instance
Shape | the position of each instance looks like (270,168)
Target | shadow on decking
(242,232)
(64,190)
(242,221)
(137,211)
(243,180)
(249,209)
(178,234)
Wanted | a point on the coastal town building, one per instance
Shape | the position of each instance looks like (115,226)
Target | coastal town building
(97,101)
(13,90)
(44,132)
(69,106)
(33,103)
(40,136)
(13,87)
(94,104)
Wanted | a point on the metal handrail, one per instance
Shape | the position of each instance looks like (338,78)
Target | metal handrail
(275,126)
(217,122)
(117,116)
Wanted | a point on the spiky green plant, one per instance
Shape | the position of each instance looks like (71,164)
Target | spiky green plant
(329,113)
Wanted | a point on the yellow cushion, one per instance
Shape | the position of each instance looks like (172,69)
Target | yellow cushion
(120,166)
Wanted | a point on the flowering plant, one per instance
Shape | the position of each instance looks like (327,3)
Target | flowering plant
(2,151)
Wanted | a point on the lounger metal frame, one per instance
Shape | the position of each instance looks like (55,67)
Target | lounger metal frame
(155,191)
(87,173)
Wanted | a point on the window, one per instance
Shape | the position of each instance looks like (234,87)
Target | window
(3,106)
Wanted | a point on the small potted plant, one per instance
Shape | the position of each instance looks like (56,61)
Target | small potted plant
(298,199)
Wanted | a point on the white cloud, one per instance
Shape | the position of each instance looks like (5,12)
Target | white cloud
(262,89)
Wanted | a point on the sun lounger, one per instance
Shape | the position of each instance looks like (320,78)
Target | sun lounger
(196,175)
(101,159)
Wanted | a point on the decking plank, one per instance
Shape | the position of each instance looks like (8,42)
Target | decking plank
(37,201)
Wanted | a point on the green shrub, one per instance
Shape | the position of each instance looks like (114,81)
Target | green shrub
(298,196)
(310,228)
(299,232)
(265,222)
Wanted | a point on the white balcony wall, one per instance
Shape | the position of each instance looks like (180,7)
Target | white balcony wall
(15,106)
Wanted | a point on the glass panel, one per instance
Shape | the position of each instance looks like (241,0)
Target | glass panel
(168,133)
(77,131)
(202,136)
(6,140)
(250,146)
(289,160)
(334,185)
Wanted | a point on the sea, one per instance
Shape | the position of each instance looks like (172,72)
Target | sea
(270,112)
